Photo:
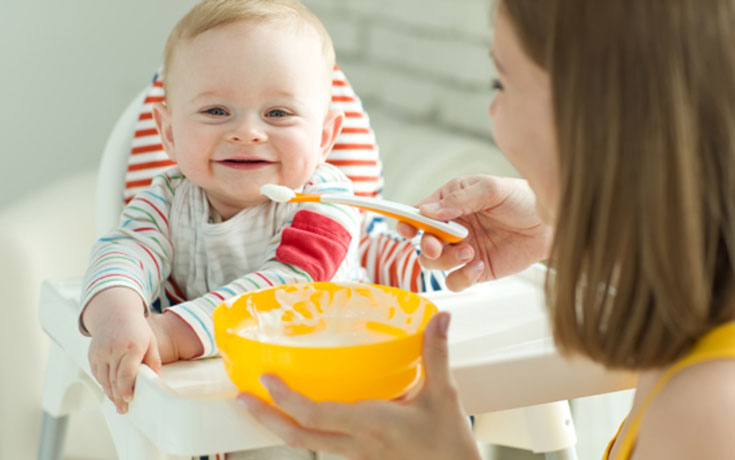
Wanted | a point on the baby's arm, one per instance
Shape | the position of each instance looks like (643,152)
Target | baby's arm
(125,272)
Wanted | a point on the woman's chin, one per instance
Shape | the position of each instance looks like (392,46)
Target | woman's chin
(545,213)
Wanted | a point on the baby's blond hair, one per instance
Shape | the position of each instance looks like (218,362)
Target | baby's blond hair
(210,14)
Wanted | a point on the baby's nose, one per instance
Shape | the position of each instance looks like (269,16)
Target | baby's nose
(249,132)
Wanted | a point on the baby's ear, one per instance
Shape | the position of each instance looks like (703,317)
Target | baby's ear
(162,116)
(332,127)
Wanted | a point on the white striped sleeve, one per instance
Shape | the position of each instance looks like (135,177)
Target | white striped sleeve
(138,252)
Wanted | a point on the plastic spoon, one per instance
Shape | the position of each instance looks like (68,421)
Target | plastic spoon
(451,232)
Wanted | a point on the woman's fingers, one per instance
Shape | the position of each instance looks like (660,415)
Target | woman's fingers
(435,356)
(466,276)
(322,416)
(460,197)
(431,247)
(438,256)
(406,230)
(441,210)
(290,431)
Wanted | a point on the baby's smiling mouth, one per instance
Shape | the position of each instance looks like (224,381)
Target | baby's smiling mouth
(244,163)
(237,160)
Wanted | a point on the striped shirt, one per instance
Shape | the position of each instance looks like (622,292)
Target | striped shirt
(168,248)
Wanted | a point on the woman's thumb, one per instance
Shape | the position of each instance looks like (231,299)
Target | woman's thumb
(460,202)
(435,353)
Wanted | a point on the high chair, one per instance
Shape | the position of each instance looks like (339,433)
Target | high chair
(501,354)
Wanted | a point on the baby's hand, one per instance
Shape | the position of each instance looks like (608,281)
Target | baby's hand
(176,339)
(121,339)
(166,346)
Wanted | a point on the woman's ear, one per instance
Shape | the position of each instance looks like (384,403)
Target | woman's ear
(332,127)
(162,116)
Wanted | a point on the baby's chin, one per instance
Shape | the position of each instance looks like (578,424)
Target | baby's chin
(250,200)
(229,206)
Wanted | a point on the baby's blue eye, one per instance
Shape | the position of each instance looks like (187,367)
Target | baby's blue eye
(277,113)
(216,111)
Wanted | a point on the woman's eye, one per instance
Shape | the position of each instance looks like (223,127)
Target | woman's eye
(495,85)
(276,113)
(216,111)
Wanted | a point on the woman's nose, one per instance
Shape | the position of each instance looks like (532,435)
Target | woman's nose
(249,132)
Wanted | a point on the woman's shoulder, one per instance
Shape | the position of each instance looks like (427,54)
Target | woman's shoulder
(693,416)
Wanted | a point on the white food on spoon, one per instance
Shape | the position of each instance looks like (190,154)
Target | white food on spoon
(279,193)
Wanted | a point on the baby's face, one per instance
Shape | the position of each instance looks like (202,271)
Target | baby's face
(248,106)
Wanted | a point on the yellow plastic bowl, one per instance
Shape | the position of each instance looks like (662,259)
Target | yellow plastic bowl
(256,334)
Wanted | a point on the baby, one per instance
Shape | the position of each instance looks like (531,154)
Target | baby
(247,104)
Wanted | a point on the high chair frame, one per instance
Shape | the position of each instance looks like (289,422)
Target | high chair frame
(189,409)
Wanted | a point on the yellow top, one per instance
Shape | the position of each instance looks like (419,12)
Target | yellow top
(718,343)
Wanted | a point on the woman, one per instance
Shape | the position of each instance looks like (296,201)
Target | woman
(621,116)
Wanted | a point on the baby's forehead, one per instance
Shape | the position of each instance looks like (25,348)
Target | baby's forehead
(240,58)
(299,32)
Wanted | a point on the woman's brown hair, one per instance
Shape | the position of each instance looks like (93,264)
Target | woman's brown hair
(644,106)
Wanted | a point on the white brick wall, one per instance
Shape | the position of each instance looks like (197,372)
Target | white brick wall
(423,60)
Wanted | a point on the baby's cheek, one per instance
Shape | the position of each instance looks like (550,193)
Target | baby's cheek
(297,174)
(303,156)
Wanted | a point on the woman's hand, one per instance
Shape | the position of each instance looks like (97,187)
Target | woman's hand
(506,234)
(428,425)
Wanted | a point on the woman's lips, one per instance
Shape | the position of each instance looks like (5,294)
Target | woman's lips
(244,164)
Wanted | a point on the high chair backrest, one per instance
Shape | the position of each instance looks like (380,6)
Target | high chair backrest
(114,162)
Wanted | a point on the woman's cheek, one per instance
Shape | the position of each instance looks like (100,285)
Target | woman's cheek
(493,108)
(498,130)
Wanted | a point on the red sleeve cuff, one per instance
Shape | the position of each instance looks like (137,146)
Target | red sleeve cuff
(314,243)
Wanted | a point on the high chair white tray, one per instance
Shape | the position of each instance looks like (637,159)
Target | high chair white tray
(501,354)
